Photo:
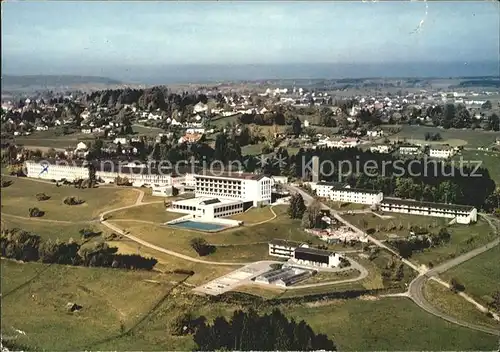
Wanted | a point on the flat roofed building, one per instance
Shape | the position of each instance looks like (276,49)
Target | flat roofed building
(316,257)
(464,214)
(235,185)
(356,195)
(441,152)
(282,248)
(323,188)
(107,172)
(409,149)
(207,208)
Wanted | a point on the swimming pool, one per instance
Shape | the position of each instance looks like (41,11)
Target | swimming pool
(201,226)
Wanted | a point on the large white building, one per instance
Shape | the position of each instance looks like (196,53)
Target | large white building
(463,214)
(107,172)
(441,152)
(238,186)
(345,194)
(225,194)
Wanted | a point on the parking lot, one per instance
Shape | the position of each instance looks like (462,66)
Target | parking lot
(235,278)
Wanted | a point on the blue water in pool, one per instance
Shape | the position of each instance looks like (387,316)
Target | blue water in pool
(203,226)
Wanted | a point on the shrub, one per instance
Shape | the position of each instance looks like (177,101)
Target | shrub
(201,246)
(456,286)
(73,201)
(184,272)
(35,212)
(42,197)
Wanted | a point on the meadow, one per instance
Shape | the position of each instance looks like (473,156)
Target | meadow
(133,310)
(454,137)
(21,195)
(452,304)
(479,275)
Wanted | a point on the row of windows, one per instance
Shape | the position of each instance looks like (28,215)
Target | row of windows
(425,210)
(228,207)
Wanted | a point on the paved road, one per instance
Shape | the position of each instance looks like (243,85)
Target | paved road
(415,291)
(416,288)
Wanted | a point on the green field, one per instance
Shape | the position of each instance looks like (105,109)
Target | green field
(394,224)
(21,195)
(480,275)
(489,160)
(148,212)
(48,230)
(451,303)
(34,298)
(469,138)
(464,238)
(117,301)
(51,140)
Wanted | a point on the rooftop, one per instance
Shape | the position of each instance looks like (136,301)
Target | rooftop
(314,251)
(416,203)
(230,174)
(285,243)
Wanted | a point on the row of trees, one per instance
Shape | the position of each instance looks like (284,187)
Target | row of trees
(22,245)
(247,331)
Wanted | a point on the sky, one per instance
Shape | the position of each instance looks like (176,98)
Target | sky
(77,37)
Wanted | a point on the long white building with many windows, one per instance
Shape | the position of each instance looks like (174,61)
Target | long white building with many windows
(463,214)
(343,193)
(107,172)
(238,186)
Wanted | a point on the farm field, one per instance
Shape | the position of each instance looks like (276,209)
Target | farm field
(454,137)
(51,140)
(20,196)
(480,275)
(451,303)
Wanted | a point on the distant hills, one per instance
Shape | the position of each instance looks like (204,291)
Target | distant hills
(10,82)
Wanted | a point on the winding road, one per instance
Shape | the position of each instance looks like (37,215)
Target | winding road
(415,289)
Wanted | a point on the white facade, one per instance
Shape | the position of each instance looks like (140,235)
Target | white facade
(382,148)
(161,191)
(138,176)
(345,194)
(315,257)
(245,188)
(282,249)
(357,196)
(207,208)
(462,214)
(409,150)
(442,153)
